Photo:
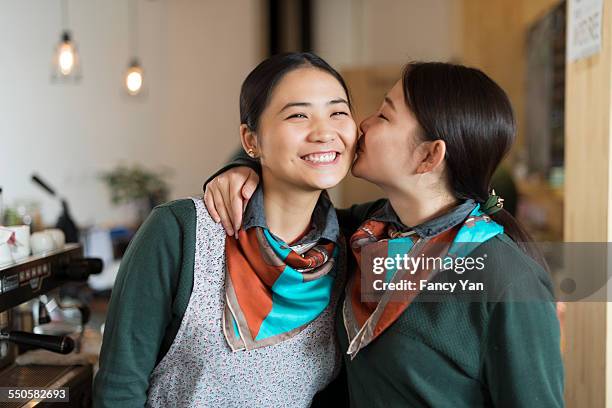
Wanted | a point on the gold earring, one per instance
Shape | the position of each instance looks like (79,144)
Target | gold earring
(251,152)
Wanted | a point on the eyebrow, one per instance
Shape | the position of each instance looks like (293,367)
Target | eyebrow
(308,104)
(390,102)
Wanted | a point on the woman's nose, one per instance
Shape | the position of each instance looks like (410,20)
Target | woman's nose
(323,134)
(365,124)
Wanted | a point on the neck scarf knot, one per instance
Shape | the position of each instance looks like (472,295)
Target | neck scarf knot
(365,320)
(272,291)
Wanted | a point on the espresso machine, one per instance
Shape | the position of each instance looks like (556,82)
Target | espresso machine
(32,284)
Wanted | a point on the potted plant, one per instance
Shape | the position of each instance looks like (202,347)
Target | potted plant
(138,186)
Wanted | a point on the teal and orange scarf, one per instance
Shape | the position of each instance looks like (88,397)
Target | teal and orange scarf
(366,320)
(273,291)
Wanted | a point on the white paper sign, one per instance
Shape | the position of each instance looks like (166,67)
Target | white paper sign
(584,28)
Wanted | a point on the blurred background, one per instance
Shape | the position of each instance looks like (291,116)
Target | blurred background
(76,133)
(110,107)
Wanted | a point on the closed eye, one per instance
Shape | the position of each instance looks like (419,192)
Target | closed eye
(383,117)
(340,113)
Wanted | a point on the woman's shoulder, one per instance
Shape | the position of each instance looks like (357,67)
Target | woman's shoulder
(182,209)
(167,222)
(187,212)
(351,218)
(504,251)
(512,271)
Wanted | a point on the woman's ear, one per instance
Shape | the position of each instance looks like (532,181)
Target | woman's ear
(248,138)
(433,156)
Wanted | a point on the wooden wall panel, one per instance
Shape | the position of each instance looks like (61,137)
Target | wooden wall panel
(587,216)
(494,35)
(493,40)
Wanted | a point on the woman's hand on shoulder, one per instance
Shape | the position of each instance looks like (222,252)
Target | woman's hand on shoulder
(227,195)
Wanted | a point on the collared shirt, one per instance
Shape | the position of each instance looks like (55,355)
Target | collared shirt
(323,224)
(428,228)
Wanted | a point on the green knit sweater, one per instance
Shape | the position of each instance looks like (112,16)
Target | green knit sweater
(444,354)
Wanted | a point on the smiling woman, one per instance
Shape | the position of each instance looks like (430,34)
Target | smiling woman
(432,147)
(302,137)
(195,317)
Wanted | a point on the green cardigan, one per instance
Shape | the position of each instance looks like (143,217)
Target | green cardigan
(149,299)
(451,353)
(455,353)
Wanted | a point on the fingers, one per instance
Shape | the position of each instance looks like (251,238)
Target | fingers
(222,210)
(234,199)
(210,204)
(240,195)
(250,185)
(227,194)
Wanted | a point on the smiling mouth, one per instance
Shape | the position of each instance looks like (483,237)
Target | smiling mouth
(321,158)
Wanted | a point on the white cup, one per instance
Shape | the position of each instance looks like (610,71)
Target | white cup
(58,237)
(42,242)
(20,249)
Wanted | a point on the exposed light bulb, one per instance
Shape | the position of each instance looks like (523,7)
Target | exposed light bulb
(134,81)
(134,78)
(66,58)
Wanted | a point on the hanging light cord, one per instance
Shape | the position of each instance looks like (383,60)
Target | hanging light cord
(133,28)
(65,15)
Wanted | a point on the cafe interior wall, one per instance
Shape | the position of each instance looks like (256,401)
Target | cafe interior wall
(375,38)
(369,41)
(195,55)
(494,40)
(367,33)
(194,62)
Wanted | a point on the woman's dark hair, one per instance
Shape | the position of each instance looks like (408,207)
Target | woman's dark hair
(473,116)
(259,84)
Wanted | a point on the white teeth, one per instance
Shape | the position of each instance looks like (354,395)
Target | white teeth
(321,157)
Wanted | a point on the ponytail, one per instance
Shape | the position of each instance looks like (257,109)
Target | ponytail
(467,110)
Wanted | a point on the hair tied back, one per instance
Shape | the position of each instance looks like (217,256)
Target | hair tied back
(493,204)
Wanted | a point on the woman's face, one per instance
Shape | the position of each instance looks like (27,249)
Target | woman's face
(306,136)
(389,151)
